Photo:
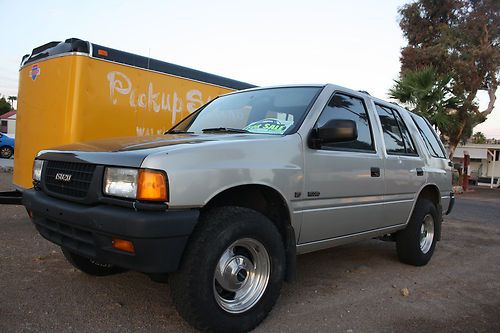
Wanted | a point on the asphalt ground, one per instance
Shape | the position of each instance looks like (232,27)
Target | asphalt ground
(6,163)
(361,287)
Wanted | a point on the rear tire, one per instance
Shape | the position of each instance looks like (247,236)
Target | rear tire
(90,266)
(415,244)
(232,271)
(6,152)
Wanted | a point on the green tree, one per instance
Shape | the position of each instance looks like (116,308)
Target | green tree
(428,94)
(478,137)
(4,106)
(460,38)
(11,100)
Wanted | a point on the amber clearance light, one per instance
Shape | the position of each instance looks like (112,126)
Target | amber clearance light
(152,185)
(123,245)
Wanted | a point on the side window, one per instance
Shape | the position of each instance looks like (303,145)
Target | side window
(396,135)
(429,137)
(410,147)
(347,107)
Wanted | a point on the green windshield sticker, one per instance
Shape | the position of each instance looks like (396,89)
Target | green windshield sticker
(269,126)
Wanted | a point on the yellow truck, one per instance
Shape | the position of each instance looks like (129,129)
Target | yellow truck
(75,90)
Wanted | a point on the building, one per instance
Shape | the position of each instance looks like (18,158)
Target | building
(8,123)
(484,161)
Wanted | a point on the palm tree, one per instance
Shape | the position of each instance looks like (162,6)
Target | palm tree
(11,100)
(428,95)
(479,137)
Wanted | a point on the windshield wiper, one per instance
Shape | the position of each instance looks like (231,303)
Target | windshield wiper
(177,131)
(225,129)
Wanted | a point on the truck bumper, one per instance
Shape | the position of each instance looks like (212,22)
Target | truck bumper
(159,237)
(452,203)
(11,198)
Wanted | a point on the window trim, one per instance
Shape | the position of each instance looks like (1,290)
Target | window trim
(342,149)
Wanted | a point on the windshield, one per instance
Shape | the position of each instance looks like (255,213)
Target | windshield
(267,111)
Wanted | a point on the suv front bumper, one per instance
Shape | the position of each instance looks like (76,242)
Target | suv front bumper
(159,237)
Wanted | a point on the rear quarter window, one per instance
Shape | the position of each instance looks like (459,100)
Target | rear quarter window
(429,137)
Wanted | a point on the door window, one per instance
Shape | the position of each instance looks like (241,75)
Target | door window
(396,135)
(343,107)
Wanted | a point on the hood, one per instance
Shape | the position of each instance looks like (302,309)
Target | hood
(131,151)
(154,142)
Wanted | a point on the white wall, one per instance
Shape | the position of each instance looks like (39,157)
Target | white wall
(490,172)
(473,152)
(11,127)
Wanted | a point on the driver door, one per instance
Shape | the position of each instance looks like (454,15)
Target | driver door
(344,182)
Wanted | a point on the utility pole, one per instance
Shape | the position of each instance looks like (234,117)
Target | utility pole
(494,155)
(465,176)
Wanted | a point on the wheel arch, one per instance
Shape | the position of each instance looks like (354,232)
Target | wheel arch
(269,202)
(431,192)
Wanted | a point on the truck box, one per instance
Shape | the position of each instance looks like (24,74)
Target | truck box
(76,90)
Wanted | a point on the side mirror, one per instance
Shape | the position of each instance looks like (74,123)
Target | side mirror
(335,130)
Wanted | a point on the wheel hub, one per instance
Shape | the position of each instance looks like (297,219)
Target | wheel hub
(241,275)
(426,233)
(235,272)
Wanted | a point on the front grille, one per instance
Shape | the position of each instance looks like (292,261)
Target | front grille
(77,186)
(78,240)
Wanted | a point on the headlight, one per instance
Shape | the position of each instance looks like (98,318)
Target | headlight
(37,170)
(121,182)
(140,184)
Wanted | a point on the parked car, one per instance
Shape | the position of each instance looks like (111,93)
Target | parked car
(227,198)
(6,146)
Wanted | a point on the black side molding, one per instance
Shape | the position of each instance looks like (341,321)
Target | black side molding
(11,198)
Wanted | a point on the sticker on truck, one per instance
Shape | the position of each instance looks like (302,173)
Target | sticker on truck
(34,72)
(269,126)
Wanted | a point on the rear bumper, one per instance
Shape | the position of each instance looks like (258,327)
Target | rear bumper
(159,237)
(451,204)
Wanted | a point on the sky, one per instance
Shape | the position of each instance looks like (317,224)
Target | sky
(353,44)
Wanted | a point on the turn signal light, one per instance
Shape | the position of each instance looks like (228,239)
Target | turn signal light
(123,245)
(152,185)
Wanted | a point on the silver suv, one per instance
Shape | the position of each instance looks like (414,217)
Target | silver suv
(227,198)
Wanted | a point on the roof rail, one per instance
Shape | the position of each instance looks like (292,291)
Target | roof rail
(364,92)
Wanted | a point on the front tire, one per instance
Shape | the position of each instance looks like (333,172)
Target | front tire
(90,266)
(6,152)
(232,271)
(415,244)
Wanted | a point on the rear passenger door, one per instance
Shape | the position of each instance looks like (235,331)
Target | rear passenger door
(344,182)
(404,169)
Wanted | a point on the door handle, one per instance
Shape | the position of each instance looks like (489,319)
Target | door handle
(375,172)
(420,172)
